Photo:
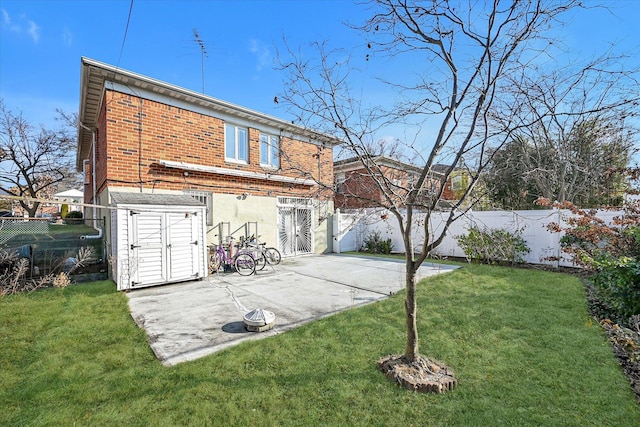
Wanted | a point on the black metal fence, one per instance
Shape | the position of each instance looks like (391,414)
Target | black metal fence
(53,245)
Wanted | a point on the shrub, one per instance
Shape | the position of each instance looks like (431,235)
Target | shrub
(74,214)
(374,244)
(74,218)
(612,252)
(64,210)
(493,245)
(618,284)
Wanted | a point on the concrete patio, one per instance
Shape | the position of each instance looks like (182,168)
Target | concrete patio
(186,321)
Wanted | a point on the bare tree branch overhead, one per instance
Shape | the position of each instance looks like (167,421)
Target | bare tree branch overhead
(468,68)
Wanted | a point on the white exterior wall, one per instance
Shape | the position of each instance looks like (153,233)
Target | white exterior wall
(237,211)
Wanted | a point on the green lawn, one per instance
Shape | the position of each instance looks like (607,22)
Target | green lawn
(521,343)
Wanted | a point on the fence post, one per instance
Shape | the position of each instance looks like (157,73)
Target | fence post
(559,237)
(337,229)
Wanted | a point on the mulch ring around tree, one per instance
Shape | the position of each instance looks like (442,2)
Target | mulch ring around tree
(424,375)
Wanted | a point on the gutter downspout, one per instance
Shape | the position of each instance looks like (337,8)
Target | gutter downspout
(93,182)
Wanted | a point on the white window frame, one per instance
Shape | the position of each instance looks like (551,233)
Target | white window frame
(457,183)
(229,127)
(204,197)
(273,150)
(340,180)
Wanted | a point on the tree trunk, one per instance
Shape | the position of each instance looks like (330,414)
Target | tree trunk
(31,210)
(411,308)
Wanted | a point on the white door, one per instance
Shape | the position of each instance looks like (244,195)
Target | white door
(147,260)
(164,248)
(182,246)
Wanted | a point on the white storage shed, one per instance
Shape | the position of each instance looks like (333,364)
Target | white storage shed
(157,239)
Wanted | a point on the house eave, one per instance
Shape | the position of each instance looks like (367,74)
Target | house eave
(94,76)
(355,163)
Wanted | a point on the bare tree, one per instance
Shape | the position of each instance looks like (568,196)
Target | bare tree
(575,129)
(461,55)
(32,161)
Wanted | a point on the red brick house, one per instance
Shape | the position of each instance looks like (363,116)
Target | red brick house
(357,186)
(253,173)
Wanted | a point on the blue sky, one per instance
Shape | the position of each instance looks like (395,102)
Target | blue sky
(41,43)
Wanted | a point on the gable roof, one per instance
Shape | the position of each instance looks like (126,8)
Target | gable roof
(355,163)
(70,193)
(95,75)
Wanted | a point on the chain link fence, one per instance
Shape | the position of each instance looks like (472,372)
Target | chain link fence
(49,245)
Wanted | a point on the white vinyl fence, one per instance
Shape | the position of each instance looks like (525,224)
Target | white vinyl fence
(350,229)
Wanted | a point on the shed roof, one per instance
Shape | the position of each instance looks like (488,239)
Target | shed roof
(124,198)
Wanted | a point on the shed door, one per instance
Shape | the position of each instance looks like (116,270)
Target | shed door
(182,246)
(147,248)
(165,247)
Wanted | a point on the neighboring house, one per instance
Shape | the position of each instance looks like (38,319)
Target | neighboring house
(358,186)
(456,184)
(70,198)
(251,173)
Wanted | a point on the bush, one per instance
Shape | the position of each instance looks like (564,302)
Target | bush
(618,285)
(374,244)
(493,245)
(612,252)
(74,218)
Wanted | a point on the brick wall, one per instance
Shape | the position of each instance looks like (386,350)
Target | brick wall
(134,134)
(360,190)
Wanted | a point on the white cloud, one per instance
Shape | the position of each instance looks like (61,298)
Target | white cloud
(262,53)
(5,18)
(67,36)
(7,22)
(34,31)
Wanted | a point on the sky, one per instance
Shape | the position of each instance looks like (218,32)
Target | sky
(41,43)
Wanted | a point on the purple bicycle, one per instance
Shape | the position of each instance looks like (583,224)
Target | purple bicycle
(242,262)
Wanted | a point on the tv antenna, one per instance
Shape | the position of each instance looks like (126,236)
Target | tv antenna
(203,49)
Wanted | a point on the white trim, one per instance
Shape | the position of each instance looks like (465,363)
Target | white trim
(235,172)
(237,144)
(270,149)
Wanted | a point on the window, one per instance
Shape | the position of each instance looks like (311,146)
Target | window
(205,198)
(340,182)
(236,146)
(269,150)
(457,183)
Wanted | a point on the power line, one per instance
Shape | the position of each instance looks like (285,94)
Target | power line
(126,30)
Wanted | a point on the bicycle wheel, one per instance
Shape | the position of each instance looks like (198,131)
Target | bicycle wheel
(261,261)
(245,264)
(214,263)
(273,256)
